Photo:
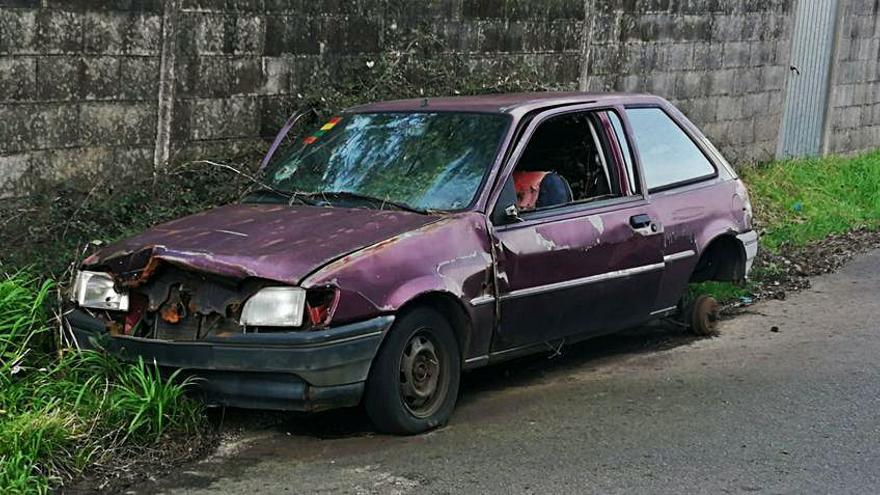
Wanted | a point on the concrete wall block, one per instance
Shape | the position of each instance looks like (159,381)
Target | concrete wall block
(847,117)
(105,5)
(18,31)
(842,95)
(680,56)
(139,78)
(701,111)
(209,33)
(100,78)
(721,82)
(59,77)
(224,76)
(767,128)
(250,33)
(292,35)
(694,27)
(143,35)
(737,54)
(773,76)
(118,123)
(38,126)
(693,84)
(18,78)
(59,31)
(277,72)
(753,26)
(762,53)
(708,56)
(223,118)
(741,132)
(632,84)
(728,28)
(103,32)
(756,105)
(662,84)
(731,107)
(542,9)
(748,80)
(12,168)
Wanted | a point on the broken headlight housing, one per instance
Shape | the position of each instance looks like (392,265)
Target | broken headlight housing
(275,307)
(96,290)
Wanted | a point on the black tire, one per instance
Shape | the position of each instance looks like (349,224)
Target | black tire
(399,402)
(701,316)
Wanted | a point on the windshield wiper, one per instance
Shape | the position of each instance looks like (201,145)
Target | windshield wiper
(363,197)
(269,195)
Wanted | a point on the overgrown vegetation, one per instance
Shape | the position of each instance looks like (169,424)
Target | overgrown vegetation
(59,412)
(800,201)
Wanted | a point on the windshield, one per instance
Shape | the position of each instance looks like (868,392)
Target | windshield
(423,161)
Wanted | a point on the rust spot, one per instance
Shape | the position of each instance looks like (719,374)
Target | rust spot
(170,313)
(115,328)
(142,276)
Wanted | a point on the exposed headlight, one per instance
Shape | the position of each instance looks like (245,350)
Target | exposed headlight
(275,307)
(97,290)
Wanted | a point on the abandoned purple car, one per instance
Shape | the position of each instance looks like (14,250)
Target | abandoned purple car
(404,242)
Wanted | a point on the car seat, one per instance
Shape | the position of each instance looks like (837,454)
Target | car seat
(540,189)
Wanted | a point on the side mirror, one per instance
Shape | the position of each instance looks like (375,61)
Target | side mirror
(512,213)
(505,209)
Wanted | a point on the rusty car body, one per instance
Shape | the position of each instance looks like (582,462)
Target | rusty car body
(650,206)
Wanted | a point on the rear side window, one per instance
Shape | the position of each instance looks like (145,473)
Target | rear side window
(669,156)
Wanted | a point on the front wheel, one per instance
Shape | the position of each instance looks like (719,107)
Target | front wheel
(413,385)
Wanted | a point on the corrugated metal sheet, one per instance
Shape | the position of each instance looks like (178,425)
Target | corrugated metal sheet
(808,80)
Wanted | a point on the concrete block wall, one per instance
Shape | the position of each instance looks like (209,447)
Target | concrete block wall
(78,85)
(854,116)
(722,63)
(115,86)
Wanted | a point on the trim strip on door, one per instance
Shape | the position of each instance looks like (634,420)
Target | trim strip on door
(679,256)
(592,279)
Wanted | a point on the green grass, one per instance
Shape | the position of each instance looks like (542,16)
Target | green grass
(59,414)
(800,201)
(797,202)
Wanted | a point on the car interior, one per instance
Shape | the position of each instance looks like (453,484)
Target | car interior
(563,163)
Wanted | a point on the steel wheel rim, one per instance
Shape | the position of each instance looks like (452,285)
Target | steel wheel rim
(422,375)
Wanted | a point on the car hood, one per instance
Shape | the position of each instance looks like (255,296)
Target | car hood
(275,242)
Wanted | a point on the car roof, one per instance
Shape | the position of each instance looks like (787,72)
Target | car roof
(503,102)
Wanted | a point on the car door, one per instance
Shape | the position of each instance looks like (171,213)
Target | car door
(587,266)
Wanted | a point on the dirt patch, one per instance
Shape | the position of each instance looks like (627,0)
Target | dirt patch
(790,269)
(127,467)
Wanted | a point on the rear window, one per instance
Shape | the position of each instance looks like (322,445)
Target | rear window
(669,156)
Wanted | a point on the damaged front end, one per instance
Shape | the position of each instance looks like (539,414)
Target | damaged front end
(250,342)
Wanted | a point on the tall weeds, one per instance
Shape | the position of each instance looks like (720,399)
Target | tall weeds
(58,415)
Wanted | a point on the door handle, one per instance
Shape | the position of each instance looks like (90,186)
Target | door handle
(640,221)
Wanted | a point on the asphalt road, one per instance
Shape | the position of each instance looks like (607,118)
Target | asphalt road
(651,411)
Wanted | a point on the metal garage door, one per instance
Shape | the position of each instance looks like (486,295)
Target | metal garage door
(806,101)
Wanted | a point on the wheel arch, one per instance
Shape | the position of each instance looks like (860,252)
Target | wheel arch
(722,259)
(450,307)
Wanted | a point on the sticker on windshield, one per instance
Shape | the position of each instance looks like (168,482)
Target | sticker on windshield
(331,124)
(323,130)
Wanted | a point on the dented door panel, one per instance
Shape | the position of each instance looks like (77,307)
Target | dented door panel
(586,273)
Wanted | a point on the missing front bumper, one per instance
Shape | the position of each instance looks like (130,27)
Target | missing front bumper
(296,371)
